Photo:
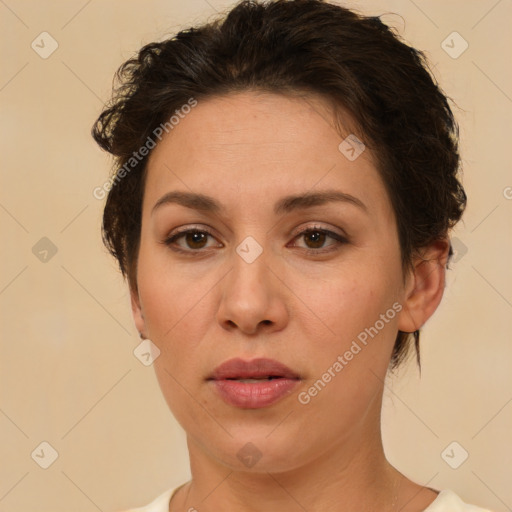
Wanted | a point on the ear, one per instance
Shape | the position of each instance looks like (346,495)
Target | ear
(138,315)
(424,286)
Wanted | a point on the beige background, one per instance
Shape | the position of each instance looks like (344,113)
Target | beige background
(68,375)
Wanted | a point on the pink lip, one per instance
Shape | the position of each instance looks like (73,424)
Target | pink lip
(253,395)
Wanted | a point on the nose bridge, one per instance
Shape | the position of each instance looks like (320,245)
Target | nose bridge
(250,296)
(248,278)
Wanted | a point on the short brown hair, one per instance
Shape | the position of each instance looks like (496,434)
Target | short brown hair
(356,62)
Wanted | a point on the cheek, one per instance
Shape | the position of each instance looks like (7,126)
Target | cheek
(178,303)
(350,358)
(349,363)
(349,302)
(169,293)
(175,315)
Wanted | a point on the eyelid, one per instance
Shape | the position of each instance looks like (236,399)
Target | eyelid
(318,227)
(340,239)
(191,227)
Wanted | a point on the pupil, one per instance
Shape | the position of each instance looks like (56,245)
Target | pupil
(195,239)
(317,238)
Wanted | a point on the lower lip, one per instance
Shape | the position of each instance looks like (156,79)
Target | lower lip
(254,395)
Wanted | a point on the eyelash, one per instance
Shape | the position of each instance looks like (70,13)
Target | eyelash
(341,240)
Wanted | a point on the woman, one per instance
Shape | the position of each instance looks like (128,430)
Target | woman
(286,182)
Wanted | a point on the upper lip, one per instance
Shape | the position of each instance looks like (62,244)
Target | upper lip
(238,368)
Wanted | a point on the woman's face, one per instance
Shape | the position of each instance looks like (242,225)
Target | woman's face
(251,284)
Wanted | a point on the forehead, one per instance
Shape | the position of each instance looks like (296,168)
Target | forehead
(246,124)
(255,145)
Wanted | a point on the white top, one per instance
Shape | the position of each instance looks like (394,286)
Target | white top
(446,501)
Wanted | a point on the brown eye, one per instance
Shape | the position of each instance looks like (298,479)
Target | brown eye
(189,241)
(196,239)
(317,239)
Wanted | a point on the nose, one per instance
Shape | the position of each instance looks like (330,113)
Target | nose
(253,298)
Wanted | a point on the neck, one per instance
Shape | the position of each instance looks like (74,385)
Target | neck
(354,475)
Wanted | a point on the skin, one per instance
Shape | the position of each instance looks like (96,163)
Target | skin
(247,151)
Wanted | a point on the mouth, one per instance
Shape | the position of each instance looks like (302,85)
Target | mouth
(253,384)
(270,377)
(254,370)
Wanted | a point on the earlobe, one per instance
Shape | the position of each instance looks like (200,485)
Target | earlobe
(138,315)
(425,286)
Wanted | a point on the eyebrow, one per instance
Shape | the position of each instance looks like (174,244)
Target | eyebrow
(285,205)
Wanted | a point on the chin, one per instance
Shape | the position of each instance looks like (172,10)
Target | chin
(256,451)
